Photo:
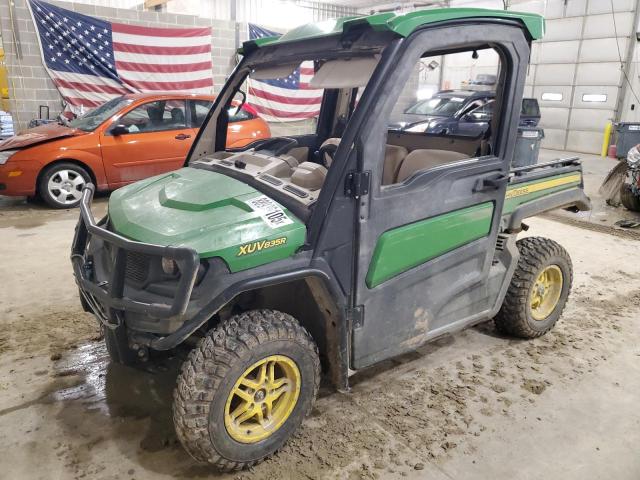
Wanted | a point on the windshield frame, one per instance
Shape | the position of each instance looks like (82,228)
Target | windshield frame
(121,103)
(211,137)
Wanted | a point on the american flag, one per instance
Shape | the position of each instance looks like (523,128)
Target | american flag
(284,99)
(91,60)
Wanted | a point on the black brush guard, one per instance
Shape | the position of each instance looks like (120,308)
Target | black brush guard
(106,298)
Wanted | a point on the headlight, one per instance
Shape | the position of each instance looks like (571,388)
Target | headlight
(633,157)
(4,156)
(169,266)
(420,128)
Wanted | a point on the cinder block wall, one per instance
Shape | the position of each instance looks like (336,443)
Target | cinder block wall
(29,83)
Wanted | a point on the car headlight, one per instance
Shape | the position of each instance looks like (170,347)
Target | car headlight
(4,156)
(633,158)
(420,128)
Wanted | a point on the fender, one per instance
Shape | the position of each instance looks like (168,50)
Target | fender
(337,344)
(574,197)
(90,159)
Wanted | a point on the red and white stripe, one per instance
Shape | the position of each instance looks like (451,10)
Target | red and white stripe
(276,104)
(163,59)
(83,92)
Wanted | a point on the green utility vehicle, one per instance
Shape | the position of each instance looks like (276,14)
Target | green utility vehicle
(333,249)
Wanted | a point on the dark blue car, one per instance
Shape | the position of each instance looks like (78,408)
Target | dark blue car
(459,112)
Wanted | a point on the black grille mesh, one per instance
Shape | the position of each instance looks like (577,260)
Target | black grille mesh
(137,266)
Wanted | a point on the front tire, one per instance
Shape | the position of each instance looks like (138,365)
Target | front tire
(245,389)
(61,184)
(538,291)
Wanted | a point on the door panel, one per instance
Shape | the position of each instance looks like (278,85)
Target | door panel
(158,141)
(424,264)
(408,246)
(425,255)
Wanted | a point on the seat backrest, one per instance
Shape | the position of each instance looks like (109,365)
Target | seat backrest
(424,159)
(393,157)
(177,116)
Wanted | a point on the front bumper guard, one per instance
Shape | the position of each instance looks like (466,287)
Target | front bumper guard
(107,298)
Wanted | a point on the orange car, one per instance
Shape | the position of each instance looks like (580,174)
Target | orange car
(123,140)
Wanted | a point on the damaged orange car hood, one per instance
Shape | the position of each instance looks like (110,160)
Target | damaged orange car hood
(41,134)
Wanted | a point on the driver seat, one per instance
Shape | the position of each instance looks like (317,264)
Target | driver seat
(393,157)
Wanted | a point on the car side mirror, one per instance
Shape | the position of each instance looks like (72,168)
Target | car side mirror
(119,130)
(469,117)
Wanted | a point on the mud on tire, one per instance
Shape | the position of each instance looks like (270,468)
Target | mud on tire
(208,376)
(515,316)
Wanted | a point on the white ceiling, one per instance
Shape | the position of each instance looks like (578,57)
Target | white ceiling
(365,5)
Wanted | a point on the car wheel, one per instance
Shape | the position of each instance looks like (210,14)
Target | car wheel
(245,389)
(538,291)
(61,185)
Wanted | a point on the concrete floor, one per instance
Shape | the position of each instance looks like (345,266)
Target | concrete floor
(470,406)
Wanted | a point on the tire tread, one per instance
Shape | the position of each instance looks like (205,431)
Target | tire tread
(206,366)
(534,255)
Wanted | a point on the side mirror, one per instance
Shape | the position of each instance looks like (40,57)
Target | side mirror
(119,130)
(469,117)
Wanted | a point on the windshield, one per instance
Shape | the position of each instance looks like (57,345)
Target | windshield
(91,120)
(437,106)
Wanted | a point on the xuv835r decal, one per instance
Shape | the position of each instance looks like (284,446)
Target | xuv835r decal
(254,247)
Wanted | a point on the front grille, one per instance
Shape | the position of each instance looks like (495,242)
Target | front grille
(137,266)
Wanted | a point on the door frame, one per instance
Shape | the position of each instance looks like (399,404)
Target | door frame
(510,42)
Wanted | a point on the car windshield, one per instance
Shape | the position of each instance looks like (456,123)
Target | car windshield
(92,119)
(437,106)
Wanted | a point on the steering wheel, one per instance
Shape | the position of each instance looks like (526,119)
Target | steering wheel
(272,145)
(330,149)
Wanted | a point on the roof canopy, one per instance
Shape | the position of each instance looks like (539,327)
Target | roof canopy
(402,25)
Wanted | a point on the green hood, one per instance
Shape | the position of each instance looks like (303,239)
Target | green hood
(215,215)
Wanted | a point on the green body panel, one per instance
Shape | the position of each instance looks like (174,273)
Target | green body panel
(529,191)
(402,25)
(408,246)
(207,212)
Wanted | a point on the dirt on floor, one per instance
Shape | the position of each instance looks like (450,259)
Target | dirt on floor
(465,406)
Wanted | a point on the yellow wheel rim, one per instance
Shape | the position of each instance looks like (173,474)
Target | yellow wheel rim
(262,399)
(546,292)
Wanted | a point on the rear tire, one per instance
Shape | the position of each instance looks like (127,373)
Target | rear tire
(628,199)
(60,185)
(238,397)
(538,291)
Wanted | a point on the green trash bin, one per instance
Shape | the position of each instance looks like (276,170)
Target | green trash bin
(527,146)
